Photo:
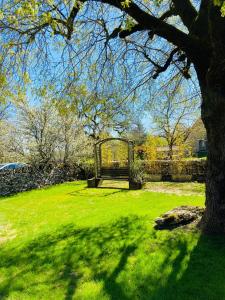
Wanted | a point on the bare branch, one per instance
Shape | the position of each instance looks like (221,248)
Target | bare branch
(166,65)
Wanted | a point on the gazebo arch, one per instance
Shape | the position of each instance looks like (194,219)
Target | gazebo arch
(115,169)
(113,160)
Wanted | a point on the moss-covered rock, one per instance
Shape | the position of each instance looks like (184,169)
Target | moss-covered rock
(178,216)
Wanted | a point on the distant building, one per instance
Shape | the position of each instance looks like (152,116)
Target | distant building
(197,139)
(201,148)
(163,152)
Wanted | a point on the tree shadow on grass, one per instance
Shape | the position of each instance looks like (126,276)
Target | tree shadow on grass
(195,274)
(65,255)
(204,277)
(188,266)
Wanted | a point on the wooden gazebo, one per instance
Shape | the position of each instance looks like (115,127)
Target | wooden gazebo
(113,161)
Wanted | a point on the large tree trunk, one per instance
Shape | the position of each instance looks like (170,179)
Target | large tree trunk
(213,115)
(211,74)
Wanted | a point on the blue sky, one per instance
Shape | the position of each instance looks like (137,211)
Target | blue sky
(54,67)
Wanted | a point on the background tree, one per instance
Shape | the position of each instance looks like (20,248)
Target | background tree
(39,128)
(7,143)
(100,112)
(103,113)
(172,116)
(49,133)
(151,145)
(4,111)
(73,144)
(3,130)
(136,131)
(6,96)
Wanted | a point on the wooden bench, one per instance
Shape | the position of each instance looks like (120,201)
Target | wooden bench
(112,173)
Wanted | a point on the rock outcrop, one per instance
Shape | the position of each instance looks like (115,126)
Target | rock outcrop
(179,216)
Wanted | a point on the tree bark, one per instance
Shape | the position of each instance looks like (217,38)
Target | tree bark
(170,152)
(212,84)
(213,116)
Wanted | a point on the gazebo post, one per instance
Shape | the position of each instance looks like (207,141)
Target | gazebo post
(94,182)
(96,161)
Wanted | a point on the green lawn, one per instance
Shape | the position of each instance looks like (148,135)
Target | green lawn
(70,242)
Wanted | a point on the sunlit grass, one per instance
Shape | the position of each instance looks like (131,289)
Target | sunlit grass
(189,188)
(70,242)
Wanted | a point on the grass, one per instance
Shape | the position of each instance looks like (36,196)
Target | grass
(70,242)
(189,188)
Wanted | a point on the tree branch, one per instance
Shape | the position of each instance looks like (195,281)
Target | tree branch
(186,11)
(71,19)
(188,43)
(200,26)
(166,65)
(169,13)
(123,33)
(126,32)
(161,28)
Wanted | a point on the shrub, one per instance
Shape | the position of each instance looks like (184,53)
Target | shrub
(138,171)
(86,169)
(195,169)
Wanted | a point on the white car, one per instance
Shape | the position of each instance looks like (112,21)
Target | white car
(12,166)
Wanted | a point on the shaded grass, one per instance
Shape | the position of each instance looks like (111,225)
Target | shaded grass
(78,243)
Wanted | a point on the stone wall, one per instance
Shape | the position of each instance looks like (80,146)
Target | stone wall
(15,181)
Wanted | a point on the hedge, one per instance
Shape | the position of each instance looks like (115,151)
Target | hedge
(192,170)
